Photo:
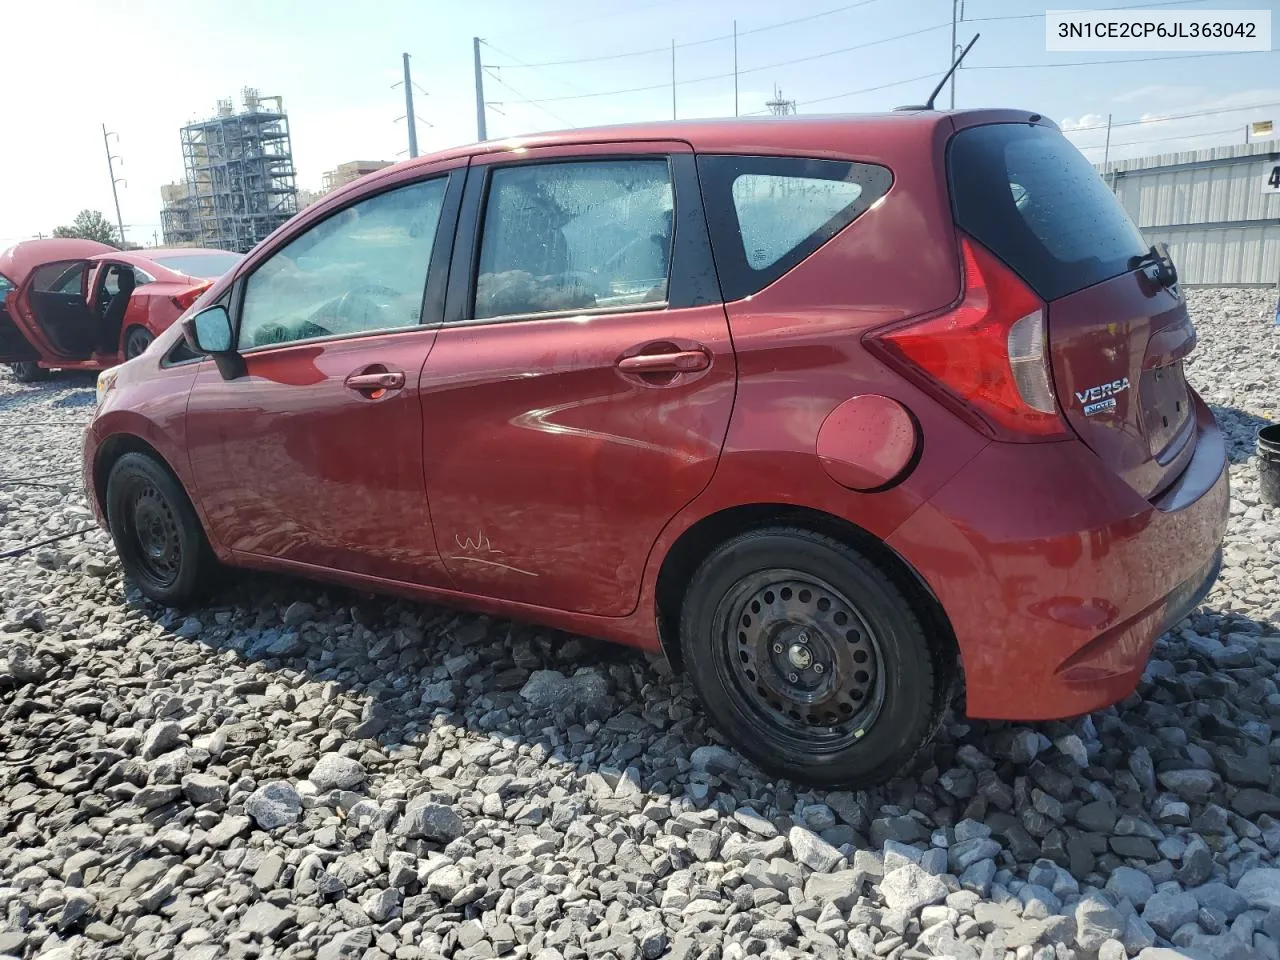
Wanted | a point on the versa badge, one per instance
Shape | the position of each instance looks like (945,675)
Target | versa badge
(1101,398)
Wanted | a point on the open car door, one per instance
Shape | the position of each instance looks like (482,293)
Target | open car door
(54,303)
(14,345)
(44,313)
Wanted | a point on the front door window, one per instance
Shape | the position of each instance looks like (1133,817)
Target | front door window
(361,270)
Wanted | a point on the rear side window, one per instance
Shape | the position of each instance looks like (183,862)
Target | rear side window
(768,213)
(1030,197)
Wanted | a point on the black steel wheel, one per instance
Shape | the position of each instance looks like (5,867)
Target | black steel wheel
(802,658)
(136,342)
(157,534)
(809,659)
(28,371)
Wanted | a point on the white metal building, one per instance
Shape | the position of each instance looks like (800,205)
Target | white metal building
(1218,209)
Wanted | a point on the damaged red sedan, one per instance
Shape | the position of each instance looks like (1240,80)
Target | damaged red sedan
(81,305)
(841,413)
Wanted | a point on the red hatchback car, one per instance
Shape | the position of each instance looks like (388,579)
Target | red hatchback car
(81,305)
(836,412)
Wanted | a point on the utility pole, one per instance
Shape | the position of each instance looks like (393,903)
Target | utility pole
(409,118)
(480,131)
(735,68)
(673,78)
(1106,156)
(114,179)
(957,14)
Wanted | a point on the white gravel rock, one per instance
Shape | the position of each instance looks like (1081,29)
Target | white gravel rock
(334,771)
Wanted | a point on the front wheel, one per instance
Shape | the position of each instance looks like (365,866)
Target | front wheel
(28,371)
(136,342)
(810,659)
(158,536)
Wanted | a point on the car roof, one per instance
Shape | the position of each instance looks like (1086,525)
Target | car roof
(810,134)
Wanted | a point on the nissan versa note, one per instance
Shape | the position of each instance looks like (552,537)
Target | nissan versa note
(843,414)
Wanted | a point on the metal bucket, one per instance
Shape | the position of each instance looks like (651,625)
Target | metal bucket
(1269,462)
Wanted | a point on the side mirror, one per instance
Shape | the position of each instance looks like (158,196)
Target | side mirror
(210,331)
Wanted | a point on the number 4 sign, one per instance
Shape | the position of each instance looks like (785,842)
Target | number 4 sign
(1272,182)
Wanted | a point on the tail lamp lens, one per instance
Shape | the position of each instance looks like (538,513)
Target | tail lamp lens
(988,355)
(186,298)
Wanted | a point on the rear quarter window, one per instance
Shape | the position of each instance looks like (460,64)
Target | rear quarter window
(1031,198)
(767,214)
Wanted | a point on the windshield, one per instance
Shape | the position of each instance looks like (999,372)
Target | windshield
(207,266)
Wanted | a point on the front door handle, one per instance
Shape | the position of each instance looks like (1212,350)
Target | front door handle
(386,380)
(680,361)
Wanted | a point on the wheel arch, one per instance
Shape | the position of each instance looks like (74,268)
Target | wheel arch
(111,449)
(696,543)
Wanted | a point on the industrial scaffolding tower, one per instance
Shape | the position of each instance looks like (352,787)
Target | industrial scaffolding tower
(240,181)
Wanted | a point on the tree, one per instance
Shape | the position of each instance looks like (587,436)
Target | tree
(90,225)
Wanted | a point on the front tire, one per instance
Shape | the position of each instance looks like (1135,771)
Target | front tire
(158,536)
(809,659)
(28,371)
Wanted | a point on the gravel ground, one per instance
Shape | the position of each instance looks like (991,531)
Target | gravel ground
(298,771)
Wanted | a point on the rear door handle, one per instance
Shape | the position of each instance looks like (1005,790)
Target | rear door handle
(388,380)
(680,361)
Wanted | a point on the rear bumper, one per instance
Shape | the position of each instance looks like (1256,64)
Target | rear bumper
(1057,577)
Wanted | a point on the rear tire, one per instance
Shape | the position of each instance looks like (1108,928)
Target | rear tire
(809,659)
(136,340)
(159,539)
(28,371)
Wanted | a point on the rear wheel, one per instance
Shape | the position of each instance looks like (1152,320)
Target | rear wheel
(28,371)
(809,658)
(157,534)
(136,342)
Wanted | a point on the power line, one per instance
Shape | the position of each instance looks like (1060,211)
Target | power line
(512,56)
(1182,136)
(1175,116)
(1091,10)
(805,19)
(722,76)
(492,72)
(854,93)
(1099,63)
(697,43)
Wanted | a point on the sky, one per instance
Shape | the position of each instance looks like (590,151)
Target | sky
(146,68)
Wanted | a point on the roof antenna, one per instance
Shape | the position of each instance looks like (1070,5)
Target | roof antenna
(945,77)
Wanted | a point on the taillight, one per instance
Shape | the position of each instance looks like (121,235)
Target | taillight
(990,353)
(186,298)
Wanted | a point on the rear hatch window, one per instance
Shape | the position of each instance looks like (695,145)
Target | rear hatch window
(1117,337)
(1031,198)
